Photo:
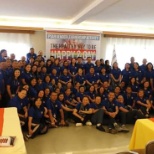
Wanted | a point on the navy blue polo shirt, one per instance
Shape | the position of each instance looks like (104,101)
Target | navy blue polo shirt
(78,94)
(29,55)
(116,73)
(40,86)
(96,106)
(18,103)
(149,74)
(126,75)
(54,107)
(92,78)
(104,77)
(48,85)
(56,77)
(135,88)
(147,93)
(32,92)
(129,99)
(80,79)
(98,69)
(80,66)
(73,69)
(143,67)
(83,108)
(138,75)
(143,100)
(68,98)
(27,76)
(65,78)
(37,114)
(110,106)
(87,67)
(92,95)
(14,84)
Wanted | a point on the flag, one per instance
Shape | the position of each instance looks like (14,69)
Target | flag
(114,57)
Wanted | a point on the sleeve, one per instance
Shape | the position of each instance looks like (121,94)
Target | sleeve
(31,112)
(9,82)
(59,105)
(78,106)
(12,103)
(47,105)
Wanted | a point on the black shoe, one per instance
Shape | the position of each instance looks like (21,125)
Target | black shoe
(100,128)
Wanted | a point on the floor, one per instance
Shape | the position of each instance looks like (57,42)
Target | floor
(79,140)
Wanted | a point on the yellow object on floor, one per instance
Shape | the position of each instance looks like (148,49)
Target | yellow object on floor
(143,133)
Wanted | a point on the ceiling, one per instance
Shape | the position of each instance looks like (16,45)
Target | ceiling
(100,15)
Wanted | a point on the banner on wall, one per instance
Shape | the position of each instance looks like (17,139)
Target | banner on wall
(72,45)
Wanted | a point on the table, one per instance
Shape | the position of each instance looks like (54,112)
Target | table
(143,133)
(10,126)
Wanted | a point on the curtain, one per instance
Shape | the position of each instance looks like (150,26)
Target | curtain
(126,48)
(16,43)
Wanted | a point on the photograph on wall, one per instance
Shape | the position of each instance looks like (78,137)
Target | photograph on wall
(65,45)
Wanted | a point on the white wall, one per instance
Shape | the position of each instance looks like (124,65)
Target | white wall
(37,41)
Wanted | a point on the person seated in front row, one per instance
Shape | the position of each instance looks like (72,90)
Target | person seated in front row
(83,112)
(110,107)
(127,116)
(36,119)
(98,113)
(55,111)
(142,103)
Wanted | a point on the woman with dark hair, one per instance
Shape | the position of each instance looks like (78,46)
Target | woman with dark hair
(149,74)
(13,83)
(107,66)
(20,103)
(26,75)
(36,119)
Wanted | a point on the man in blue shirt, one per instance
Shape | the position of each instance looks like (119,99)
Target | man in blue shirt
(31,54)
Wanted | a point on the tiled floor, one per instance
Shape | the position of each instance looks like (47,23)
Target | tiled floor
(79,140)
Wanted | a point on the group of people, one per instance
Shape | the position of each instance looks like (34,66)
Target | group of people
(51,93)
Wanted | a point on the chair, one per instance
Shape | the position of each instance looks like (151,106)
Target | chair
(149,149)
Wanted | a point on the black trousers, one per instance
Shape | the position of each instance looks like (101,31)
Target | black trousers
(87,117)
(130,117)
(97,117)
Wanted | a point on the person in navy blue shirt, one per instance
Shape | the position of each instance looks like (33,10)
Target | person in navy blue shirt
(80,77)
(138,75)
(132,61)
(47,82)
(40,84)
(34,71)
(54,75)
(149,74)
(110,107)
(72,69)
(48,66)
(104,76)
(126,73)
(80,64)
(147,90)
(32,90)
(117,92)
(107,67)
(56,65)
(3,55)
(115,75)
(13,83)
(67,110)
(55,111)
(144,64)
(98,113)
(26,75)
(127,116)
(65,77)
(19,102)
(102,94)
(91,94)
(88,65)
(134,85)
(91,77)
(82,113)
(129,98)
(142,103)
(64,66)
(80,94)
(98,67)
(36,119)
(31,54)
